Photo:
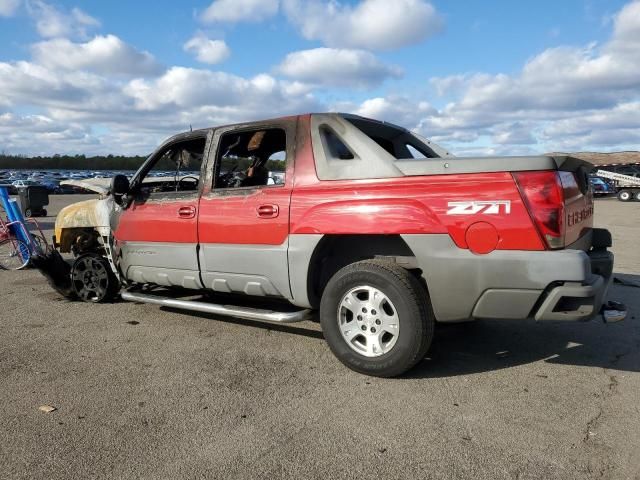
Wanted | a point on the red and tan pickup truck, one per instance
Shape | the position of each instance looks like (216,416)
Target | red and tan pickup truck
(380,230)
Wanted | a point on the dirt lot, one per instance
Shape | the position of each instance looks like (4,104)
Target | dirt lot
(143,392)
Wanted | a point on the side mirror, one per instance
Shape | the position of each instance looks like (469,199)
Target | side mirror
(119,187)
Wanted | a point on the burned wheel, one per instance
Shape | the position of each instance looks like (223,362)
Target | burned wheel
(92,279)
(376,317)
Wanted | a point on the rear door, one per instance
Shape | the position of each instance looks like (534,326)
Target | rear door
(157,235)
(243,225)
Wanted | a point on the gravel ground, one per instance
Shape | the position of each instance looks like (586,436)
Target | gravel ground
(144,392)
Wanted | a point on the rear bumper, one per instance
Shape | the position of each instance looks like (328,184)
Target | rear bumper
(569,284)
(575,301)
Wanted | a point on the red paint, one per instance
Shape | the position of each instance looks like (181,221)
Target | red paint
(232,216)
(156,220)
(411,205)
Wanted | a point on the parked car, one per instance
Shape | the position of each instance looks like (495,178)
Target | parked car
(378,229)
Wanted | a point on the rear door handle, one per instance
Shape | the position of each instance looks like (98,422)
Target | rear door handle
(187,212)
(268,211)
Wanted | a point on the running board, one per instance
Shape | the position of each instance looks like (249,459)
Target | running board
(227,310)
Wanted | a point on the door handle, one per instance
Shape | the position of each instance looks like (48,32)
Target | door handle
(268,211)
(187,212)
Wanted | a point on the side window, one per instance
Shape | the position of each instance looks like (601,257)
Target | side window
(176,168)
(333,146)
(251,158)
(277,165)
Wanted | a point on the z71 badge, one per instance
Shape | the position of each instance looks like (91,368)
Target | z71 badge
(490,207)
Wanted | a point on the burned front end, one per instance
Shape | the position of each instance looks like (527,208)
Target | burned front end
(81,262)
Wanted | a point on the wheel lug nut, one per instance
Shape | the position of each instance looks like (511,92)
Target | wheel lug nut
(364,310)
(373,312)
(364,327)
(378,322)
(373,330)
(359,317)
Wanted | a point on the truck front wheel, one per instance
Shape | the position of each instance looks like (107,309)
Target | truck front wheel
(377,318)
(92,279)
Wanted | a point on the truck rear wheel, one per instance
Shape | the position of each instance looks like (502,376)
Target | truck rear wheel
(377,318)
(624,195)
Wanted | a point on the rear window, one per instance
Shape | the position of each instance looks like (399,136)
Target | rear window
(333,145)
(396,141)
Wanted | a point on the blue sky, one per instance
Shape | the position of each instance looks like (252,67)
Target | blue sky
(497,77)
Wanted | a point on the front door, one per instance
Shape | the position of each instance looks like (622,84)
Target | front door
(243,224)
(156,237)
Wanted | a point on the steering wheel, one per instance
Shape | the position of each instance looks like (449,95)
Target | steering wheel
(191,178)
(225,178)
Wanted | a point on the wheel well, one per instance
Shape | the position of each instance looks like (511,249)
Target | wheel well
(80,240)
(334,252)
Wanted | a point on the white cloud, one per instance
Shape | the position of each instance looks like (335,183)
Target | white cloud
(190,88)
(240,10)
(371,24)
(103,54)
(133,116)
(8,8)
(564,99)
(32,84)
(51,22)
(18,132)
(207,50)
(554,102)
(337,67)
(101,95)
(395,109)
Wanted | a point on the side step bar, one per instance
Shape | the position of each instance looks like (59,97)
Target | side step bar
(227,310)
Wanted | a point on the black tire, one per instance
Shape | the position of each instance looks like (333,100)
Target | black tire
(637,196)
(624,195)
(92,279)
(412,305)
(27,213)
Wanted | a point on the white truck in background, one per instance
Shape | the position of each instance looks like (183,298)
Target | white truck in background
(628,186)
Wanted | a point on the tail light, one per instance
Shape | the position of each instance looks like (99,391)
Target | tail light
(542,192)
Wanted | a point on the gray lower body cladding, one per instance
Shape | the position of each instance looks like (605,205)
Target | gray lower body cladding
(546,285)
(567,284)
(166,264)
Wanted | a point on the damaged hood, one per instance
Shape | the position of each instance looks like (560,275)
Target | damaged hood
(97,185)
(102,186)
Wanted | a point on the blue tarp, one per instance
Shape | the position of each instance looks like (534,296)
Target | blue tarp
(14,215)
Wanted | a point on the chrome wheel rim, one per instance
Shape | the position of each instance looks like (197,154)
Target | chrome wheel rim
(90,279)
(625,196)
(368,321)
